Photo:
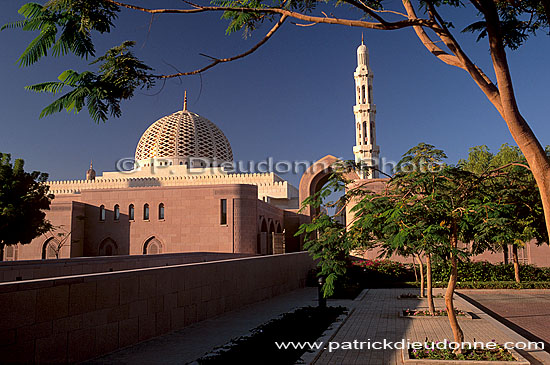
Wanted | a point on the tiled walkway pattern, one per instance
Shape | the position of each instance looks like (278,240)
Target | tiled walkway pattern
(529,309)
(376,317)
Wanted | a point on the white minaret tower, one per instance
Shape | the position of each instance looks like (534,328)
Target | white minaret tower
(365,148)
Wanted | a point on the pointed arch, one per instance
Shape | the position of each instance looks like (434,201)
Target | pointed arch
(48,249)
(107,247)
(152,246)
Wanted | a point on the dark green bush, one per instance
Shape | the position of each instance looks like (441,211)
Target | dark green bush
(489,284)
(485,271)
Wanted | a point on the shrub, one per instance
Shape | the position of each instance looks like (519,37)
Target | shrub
(489,284)
(485,271)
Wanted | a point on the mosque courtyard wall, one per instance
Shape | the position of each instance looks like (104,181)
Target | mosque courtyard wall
(75,318)
(196,218)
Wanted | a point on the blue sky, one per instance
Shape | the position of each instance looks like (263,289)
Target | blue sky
(290,100)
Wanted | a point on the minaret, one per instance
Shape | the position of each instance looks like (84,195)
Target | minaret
(365,148)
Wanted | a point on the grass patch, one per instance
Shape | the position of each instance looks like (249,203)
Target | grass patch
(304,324)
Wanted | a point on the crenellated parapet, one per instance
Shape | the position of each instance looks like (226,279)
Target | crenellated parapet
(269,184)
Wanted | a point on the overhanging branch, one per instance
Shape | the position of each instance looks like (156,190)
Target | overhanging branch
(221,60)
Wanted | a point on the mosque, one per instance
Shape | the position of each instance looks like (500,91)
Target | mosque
(181,195)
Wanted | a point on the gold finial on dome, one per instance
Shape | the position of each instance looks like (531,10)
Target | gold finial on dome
(185,100)
(362,38)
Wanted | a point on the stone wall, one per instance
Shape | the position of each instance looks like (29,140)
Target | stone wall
(75,318)
(39,269)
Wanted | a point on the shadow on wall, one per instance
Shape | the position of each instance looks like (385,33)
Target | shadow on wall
(107,230)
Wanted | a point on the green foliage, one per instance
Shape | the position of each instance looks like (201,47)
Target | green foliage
(325,238)
(484,271)
(120,74)
(23,197)
(64,26)
(489,284)
(518,20)
(513,208)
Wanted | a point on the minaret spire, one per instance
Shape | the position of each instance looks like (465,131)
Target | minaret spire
(366,150)
(185,100)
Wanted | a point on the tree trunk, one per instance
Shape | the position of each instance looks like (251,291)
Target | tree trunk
(505,252)
(515,259)
(521,131)
(451,314)
(415,273)
(421,275)
(431,306)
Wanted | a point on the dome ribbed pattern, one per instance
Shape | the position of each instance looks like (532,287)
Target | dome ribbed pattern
(184,135)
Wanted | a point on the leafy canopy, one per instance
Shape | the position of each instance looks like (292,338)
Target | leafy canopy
(23,199)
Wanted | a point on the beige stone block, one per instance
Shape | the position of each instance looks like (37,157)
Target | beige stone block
(163,323)
(107,338)
(147,326)
(34,331)
(21,307)
(67,324)
(82,298)
(129,289)
(137,308)
(177,318)
(128,332)
(81,345)
(147,285)
(52,349)
(108,293)
(52,303)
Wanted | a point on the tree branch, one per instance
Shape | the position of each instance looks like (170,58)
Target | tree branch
(308,18)
(221,60)
(459,58)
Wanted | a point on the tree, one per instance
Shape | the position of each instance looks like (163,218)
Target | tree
(66,26)
(57,237)
(23,199)
(427,207)
(514,212)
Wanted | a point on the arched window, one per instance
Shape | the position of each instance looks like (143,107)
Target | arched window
(48,249)
(161,211)
(131,212)
(102,213)
(146,212)
(11,252)
(363,94)
(117,212)
(152,246)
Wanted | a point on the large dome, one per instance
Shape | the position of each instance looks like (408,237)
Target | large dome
(182,137)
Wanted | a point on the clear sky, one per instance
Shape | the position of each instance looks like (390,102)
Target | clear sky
(290,100)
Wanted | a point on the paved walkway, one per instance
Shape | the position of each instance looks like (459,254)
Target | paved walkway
(527,311)
(190,343)
(376,318)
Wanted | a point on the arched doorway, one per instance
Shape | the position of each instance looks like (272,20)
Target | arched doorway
(270,237)
(315,177)
(261,245)
(49,249)
(152,246)
(108,247)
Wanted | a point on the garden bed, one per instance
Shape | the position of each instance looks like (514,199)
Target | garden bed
(416,296)
(305,324)
(424,313)
(470,357)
